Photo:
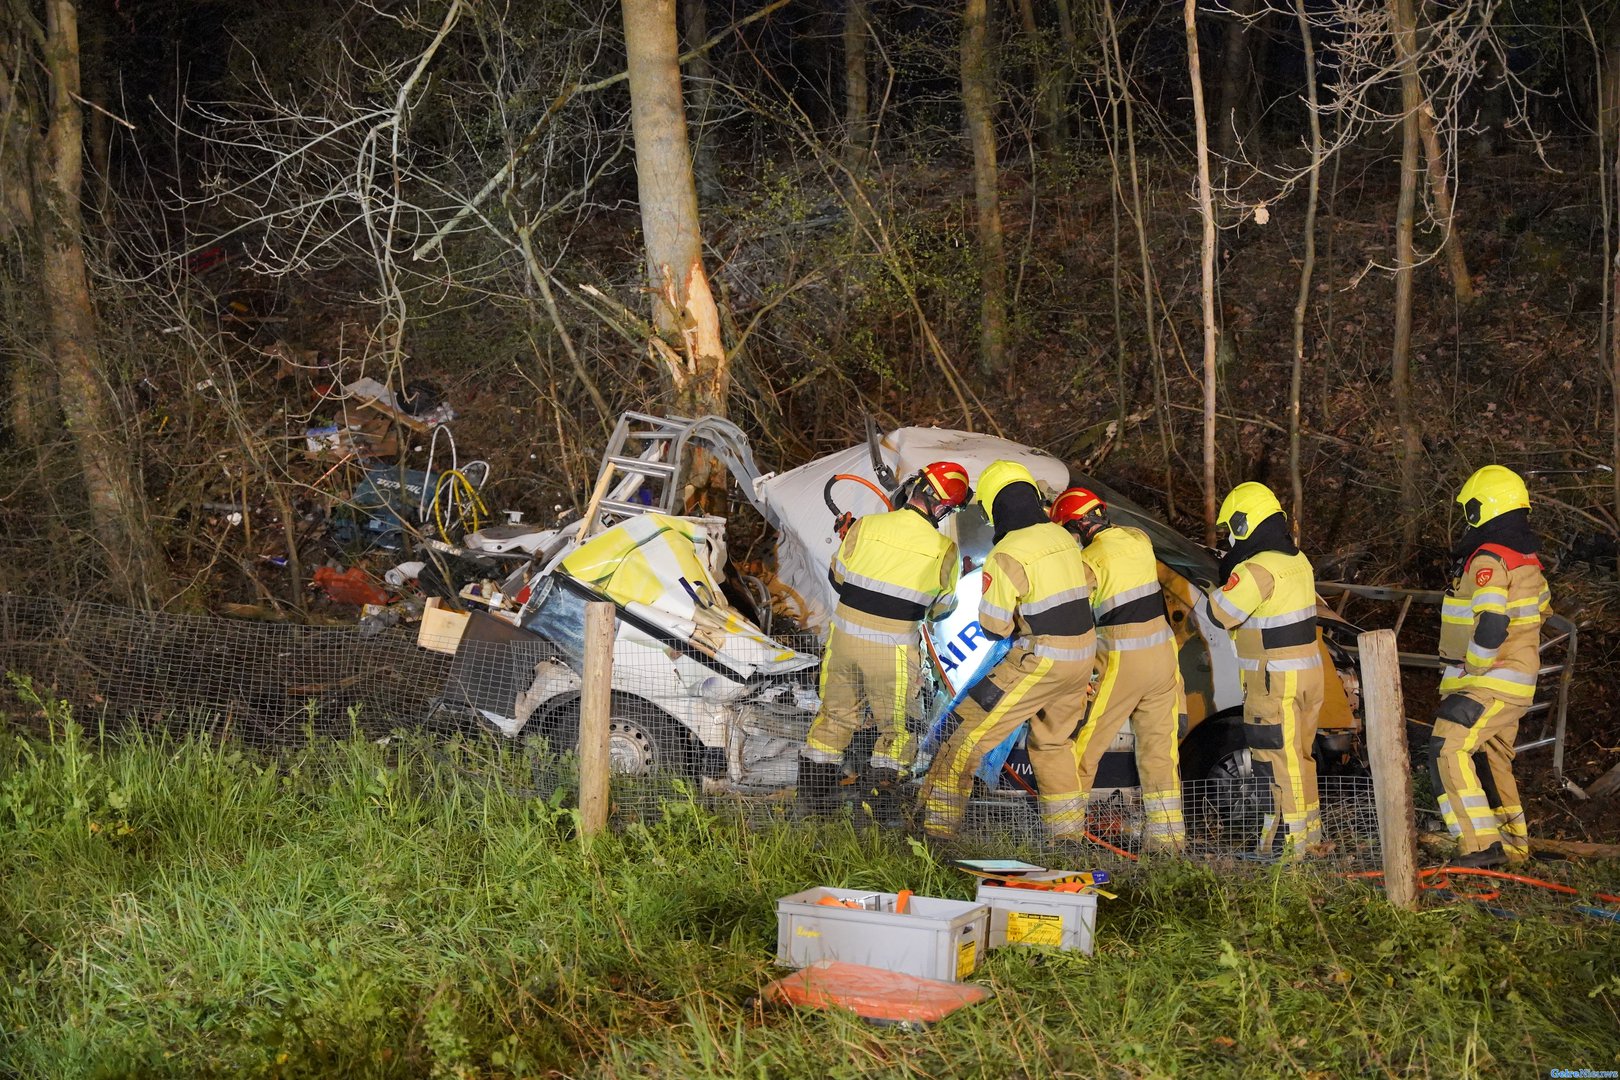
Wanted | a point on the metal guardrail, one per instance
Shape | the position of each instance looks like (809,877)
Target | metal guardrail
(1558,633)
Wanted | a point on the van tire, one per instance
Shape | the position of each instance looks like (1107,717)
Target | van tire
(642,738)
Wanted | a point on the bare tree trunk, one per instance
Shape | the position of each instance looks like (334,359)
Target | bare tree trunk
(1206,208)
(1462,284)
(1237,76)
(700,70)
(978,105)
(684,311)
(111,483)
(857,92)
(1118,83)
(1411,444)
(1048,101)
(1306,268)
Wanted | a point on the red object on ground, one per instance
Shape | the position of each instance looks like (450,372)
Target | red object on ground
(873,994)
(351,586)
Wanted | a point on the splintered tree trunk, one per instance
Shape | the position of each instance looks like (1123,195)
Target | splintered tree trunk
(978,106)
(1411,445)
(1206,209)
(857,105)
(684,312)
(111,482)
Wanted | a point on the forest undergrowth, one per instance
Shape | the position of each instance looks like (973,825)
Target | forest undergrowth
(367,910)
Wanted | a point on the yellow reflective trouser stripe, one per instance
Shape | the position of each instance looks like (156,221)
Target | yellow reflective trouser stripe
(893,756)
(1474,802)
(956,771)
(1290,708)
(1099,707)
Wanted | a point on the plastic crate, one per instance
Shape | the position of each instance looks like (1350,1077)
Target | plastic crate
(933,939)
(1040,917)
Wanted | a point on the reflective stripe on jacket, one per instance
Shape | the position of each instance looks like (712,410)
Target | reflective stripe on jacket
(1269,605)
(1036,588)
(1490,624)
(1126,596)
(889,569)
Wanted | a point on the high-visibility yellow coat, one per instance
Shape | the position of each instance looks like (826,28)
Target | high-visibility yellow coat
(1490,624)
(1036,591)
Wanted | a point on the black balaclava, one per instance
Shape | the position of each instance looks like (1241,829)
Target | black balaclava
(1270,535)
(1511,530)
(1017,506)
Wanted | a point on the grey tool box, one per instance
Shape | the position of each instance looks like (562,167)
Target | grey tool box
(1040,917)
(933,939)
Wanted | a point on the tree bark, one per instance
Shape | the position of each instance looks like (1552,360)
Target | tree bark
(111,481)
(700,70)
(857,92)
(1306,268)
(1048,100)
(978,107)
(1462,284)
(1119,85)
(1206,209)
(1411,443)
(685,317)
(1237,78)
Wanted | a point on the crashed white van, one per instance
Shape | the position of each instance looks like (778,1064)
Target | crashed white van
(699,687)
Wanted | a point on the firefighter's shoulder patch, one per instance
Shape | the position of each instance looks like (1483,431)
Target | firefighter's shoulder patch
(1482,577)
(1231,583)
(984,582)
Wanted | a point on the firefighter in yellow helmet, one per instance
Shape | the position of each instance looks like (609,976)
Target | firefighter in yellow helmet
(1140,678)
(1267,600)
(1490,638)
(891,571)
(1035,592)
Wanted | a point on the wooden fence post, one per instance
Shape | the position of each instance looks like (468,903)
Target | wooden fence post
(595,708)
(1385,717)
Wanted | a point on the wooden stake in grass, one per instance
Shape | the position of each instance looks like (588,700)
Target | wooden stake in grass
(595,707)
(1385,716)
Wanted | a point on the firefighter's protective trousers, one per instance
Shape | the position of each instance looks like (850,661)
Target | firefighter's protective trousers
(888,570)
(1051,696)
(858,674)
(1269,605)
(1036,591)
(1140,680)
(1490,631)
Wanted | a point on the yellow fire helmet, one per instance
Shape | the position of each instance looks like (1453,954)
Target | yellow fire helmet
(1491,492)
(996,476)
(1246,506)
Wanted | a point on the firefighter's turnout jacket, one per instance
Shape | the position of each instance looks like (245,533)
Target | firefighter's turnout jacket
(1490,637)
(889,570)
(1035,592)
(1139,681)
(1269,605)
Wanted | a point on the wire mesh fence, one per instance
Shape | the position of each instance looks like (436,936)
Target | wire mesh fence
(709,717)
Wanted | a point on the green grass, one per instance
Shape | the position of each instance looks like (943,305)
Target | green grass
(355,910)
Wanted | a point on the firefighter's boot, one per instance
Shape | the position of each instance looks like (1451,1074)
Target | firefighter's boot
(884,793)
(818,787)
(1493,855)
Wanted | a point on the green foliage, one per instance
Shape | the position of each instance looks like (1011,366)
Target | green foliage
(362,910)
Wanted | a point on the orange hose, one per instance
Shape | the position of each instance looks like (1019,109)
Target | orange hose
(1444,872)
(863,480)
(1089,835)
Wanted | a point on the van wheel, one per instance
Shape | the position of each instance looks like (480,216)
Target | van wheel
(1228,797)
(642,738)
